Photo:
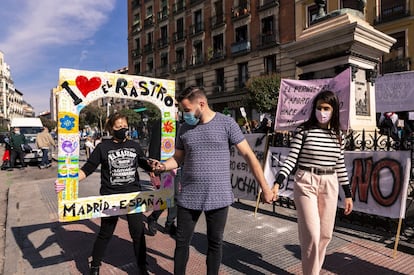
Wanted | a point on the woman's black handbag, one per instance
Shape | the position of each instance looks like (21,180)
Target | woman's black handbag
(26,148)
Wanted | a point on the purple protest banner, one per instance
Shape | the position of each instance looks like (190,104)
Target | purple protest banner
(296,96)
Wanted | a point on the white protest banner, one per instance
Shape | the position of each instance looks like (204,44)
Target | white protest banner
(394,92)
(242,180)
(296,96)
(75,91)
(379,180)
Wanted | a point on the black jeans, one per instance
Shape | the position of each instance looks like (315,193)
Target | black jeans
(136,230)
(13,156)
(45,156)
(186,222)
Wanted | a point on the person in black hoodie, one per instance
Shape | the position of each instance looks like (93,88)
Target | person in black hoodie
(119,159)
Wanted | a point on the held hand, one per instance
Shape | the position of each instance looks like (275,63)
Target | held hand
(159,168)
(59,187)
(267,196)
(348,206)
(275,191)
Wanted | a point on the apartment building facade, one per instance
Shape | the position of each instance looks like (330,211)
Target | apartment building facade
(220,44)
(215,44)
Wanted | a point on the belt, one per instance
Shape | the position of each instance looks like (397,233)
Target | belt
(318,171)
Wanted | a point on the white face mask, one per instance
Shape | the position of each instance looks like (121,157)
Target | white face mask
(323,117)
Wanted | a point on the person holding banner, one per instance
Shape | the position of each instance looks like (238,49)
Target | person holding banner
(203,150)
(317,153)
(119,159)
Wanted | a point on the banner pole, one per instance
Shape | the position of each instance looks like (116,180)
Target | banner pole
(266,149)
(397,238)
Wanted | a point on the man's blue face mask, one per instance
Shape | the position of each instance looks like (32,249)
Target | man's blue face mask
(190,118)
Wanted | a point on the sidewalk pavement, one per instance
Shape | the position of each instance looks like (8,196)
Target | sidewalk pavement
(36,243)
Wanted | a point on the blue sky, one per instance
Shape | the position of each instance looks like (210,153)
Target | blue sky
(39,37)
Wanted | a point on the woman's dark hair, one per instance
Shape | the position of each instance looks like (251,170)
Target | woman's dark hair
(330,98)
(110,121)
(191,93)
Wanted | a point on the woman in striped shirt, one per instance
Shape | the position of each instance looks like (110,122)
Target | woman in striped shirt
(317,151)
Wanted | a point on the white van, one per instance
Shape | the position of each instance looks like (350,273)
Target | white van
(30,127)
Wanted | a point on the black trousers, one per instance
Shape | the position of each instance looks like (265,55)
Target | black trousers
(136,230)
(14,154)
(186,222)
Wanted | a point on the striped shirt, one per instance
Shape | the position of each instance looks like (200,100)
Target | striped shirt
(320,149)
(205,178)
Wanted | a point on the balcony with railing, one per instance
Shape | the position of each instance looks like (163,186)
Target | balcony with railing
(196,61)
(240,47)
(196,2)
(163,70)
(136,4)
(393,13)
(267,40)
(136,53)
(179,36)
(239,12)
(178,67)
(216,55)
(396,65)
(179,7)
(267,4)
(148,48)
(217,21)
(162,15)
(197,28)
(149,21)
(163,42)
(136,26)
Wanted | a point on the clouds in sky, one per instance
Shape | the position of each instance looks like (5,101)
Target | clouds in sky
(39,37)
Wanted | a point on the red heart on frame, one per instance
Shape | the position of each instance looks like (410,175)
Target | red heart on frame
(86,86)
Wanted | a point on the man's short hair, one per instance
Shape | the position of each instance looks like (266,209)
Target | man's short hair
(191,93)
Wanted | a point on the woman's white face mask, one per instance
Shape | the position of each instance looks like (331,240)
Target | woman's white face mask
(323,117)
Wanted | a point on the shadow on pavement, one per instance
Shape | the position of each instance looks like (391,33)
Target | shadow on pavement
(73,242)
(237,257)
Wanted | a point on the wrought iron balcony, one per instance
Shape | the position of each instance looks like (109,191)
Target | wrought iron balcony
(149,21)
(136,27)
(195,2)
(179,7)
(240,47)
(178,36)
(136,53)
(267,4)
(239,12)
(178,67)
(196,61)
(267,40)
(162,42)
(162,15)
(148,48)
(216,55)
(163,70)
(217,21)
(393,13)
(136,4)
(197,28)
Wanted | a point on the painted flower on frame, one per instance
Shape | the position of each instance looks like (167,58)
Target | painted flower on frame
(168,126)
(67,122)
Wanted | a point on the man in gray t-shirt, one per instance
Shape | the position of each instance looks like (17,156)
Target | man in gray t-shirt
(203,150)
